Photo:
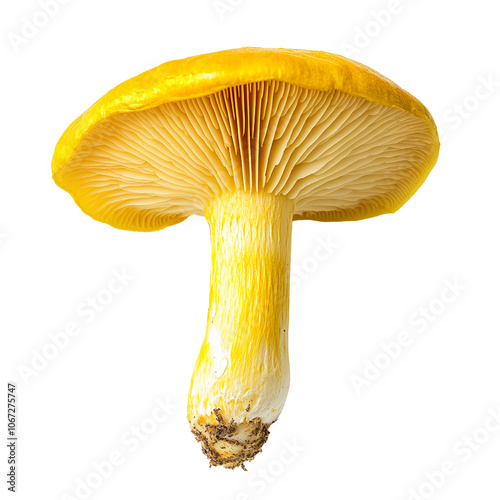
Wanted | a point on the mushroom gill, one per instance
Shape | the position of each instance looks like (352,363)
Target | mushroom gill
(337,156)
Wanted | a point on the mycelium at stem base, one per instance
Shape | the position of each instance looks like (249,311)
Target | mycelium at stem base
(241,378)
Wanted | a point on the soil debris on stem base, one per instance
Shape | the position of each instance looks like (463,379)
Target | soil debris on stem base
(229,443)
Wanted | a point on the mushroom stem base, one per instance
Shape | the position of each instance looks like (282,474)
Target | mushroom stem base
(230,444)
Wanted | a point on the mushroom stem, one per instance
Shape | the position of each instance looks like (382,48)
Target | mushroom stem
(241,378)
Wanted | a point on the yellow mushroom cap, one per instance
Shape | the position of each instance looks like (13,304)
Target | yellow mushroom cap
(339,139)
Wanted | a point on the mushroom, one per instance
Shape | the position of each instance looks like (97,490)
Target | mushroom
(252,139)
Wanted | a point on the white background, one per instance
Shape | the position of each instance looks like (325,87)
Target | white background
(378,442)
